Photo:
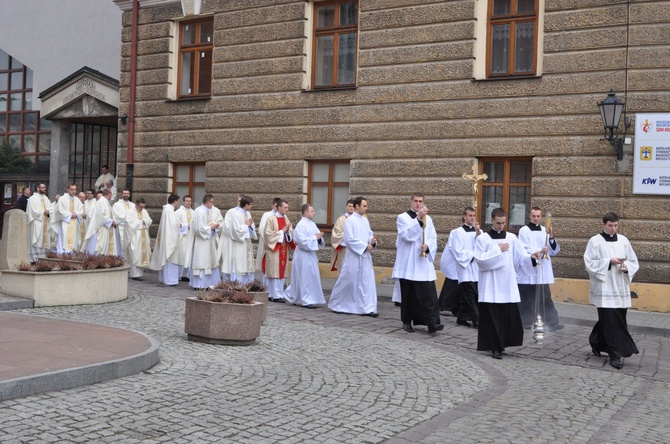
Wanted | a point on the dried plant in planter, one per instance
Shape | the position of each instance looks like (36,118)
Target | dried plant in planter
(45,266)
(65,265)
(227,292)
(25,266)
(90,263)
(231,286)
(256,286)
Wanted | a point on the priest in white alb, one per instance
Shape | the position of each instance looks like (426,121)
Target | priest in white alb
(235,250)
(501,258)
(337,239)
(184,217)
(305,288)
(138,222)
(101,234)
(168,257)
(69,215)
(201,256)
(277,240)
(355,291)
(260,250)
(38,222)
(120,210)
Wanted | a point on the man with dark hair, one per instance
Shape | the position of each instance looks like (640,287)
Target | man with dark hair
(500,257)
(139,247)
(101,234)
(277,239)
(463,249)
(22,201)
(337,238)
(305,288)
(168,257)
(533,237)
(68,215)
(355,291)
(235,251)
(611,263)
(201,254)
(38,222)
(120,211)
(105,177)
(416,247)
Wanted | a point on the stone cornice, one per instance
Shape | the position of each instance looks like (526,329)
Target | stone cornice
(127,5)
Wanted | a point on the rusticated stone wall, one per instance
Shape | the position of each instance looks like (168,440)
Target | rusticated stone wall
(417,119)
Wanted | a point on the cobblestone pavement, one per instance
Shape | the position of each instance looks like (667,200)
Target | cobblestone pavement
(318,377)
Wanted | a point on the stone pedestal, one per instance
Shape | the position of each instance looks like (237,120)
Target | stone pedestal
(15,242)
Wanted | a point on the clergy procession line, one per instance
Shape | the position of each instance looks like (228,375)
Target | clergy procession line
(494,282)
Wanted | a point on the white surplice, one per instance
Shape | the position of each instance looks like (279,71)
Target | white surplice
(463,250)
(610,287)
(535,240)
(69,232)
(355,291)
(498,270)
(448,263)
(409,263)
(305,288)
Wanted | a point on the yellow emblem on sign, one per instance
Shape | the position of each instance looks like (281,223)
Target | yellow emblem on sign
(646,152)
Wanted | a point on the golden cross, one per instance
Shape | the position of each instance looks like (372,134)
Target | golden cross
(475,178)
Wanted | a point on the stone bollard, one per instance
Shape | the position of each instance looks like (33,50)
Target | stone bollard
(14,250)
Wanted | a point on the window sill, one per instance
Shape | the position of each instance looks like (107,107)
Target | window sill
(190,99)
(494,79)
(334,88)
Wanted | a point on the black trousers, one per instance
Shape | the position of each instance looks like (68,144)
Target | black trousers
(499,326)
(450,296)
(419,303)
(469,310)
(610,334)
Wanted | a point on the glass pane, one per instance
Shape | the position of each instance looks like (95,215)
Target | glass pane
(525,33)
(16,80)
(4,78)
(525,6)
(494,171)
(45,143)
(348,14)
(346,63)
(340,198)
(320,172)
(198,194)
(341,172)
(519,205)
(320,204)
(501,7)
(183,173)
(29,143)
(29,78)
(29,121)
(188,34)
(3,124)
(3,102)
(520,172)
(499,49)
(492,198)
(186,73)
(43,164)
(28,101)
(325,16)
(16,64)
(4,60)
(206,31)
(45,124)
(324,60)
(181,190)
(205,72)
(200,173)
(14,141)
(15,122)
(15,101)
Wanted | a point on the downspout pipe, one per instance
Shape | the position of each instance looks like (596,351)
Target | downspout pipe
(132,96)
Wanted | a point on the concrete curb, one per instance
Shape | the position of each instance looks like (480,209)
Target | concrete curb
(81,376)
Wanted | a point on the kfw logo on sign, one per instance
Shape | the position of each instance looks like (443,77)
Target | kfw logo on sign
(649,181)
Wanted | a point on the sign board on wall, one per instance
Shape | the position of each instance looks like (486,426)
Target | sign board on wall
(651,164)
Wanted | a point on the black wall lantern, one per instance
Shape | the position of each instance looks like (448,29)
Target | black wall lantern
(611,110)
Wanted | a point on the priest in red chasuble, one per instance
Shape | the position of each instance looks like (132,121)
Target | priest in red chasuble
(277,239)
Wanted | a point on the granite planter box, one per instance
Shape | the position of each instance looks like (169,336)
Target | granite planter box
(262,297)
(223,322)
(50,288)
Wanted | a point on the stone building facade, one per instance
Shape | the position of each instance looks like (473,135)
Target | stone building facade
(426,103)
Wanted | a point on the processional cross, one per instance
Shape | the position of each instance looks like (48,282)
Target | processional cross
(475,178)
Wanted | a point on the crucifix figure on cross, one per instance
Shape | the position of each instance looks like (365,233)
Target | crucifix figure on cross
(475,178)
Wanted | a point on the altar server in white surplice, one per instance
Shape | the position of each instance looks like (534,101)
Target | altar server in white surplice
(305,288)
(201,256)
(138,222)
(355,291)
(450,295)
(168,257)
(38,222)
(119,211)
(235,249)
(69,214)
(501,257)
(462,242)
(611,264)
(260,250)
(101,234)
(184,217)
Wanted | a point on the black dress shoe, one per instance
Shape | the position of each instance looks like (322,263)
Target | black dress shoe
(408,328)
(463,323)
(372,315)
(137,279)
(184,279)
(279,300)
(309,306)
(397,304)
(496,354)
(617,363)
(596,352)
(438,327)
